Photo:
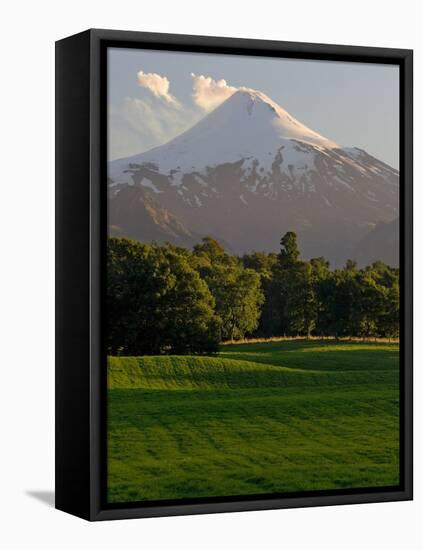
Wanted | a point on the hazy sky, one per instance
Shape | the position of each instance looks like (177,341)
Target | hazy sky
(151,97)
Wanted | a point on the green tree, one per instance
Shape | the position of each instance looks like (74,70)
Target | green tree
(237,291)
(386,301)
(157,303)
(266,266)
(290,253)
(372,304)
(238,297)
(261,262)
(347,303)
(389,320)
(299,306)
(210,249)
(297,297)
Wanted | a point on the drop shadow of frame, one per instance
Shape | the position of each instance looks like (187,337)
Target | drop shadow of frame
(46,497)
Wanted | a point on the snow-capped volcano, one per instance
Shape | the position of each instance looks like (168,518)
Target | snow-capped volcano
(248,171)
(247,125)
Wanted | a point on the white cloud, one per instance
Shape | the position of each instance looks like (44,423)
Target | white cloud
(158,85)
(137,125)
(209,93)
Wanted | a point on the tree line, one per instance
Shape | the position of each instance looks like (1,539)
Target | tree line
(168,299)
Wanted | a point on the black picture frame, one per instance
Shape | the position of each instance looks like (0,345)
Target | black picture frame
(81,147)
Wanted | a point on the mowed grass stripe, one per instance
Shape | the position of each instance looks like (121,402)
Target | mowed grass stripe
(193,372)
(327,355)
(233,427)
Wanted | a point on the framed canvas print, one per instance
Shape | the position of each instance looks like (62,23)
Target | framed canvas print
(234,275)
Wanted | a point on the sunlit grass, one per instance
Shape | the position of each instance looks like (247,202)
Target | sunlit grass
(257,418)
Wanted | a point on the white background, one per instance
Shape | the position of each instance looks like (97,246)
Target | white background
(27,37)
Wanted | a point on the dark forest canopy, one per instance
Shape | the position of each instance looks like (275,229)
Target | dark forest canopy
(167,299)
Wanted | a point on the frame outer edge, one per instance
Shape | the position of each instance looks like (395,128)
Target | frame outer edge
(244,47)
(72,396)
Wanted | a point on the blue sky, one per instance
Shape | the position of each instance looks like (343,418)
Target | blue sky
(355,105)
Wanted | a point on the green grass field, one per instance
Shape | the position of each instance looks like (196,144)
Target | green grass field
(256,418)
